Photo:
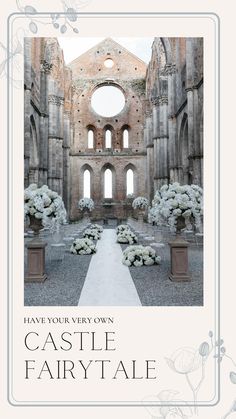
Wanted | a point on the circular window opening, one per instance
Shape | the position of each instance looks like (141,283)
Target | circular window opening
(108,101)
(108,63)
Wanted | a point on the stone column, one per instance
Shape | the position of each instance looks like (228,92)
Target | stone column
(170,71)
(27,107)
(149,146)
(155,118)
(66,160)
(190,101)
(197,158)
(164,168)
(43,157)
(55,140)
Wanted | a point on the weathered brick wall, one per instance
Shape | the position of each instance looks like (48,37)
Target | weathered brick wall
(128,73)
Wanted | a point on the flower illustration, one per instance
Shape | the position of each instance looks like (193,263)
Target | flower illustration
(184,360)
(168,412)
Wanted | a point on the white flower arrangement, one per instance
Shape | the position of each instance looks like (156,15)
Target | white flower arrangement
(97,227)
(140,255)
(121,228)
(83,247)
(92,234)
(140,203)
(44,204)
(86,204)
(127,236)
(175,200)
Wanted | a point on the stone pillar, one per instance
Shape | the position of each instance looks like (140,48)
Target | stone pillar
(66,160)
(155,118)
(197,158)
(190,102)
(170,71)
(43,151)
(55,154)
(36,261)
(149,146)
(27,107)
(164,175)
(179,260)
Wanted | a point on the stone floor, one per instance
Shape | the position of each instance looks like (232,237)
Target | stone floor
(101,279)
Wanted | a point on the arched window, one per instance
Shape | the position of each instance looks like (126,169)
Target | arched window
(87,184)
(90,138)
(108,183)
(125,138)
(108,138)
(129,182)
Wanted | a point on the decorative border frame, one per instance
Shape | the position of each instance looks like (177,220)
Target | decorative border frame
(143,403)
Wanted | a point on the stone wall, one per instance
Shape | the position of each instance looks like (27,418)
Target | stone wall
(174,116)
(128,74)
(47,112)
(163,114)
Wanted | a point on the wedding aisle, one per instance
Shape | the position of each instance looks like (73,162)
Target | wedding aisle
(108,281)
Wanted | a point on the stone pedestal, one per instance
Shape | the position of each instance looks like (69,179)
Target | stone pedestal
(179,260)
(36,261)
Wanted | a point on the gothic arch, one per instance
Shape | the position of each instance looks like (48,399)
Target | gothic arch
(168,50)
(93,129)
(82,170)
(113,171)
(107,128)
(132,167)
(123,130)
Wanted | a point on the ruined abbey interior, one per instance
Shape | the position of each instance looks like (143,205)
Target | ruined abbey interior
(154,136)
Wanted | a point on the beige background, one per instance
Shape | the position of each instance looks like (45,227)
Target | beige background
(173,327)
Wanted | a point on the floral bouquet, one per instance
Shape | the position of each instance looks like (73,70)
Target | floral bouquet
(140,255)
(140,203)
(121,228)
(92,234)
(175,200)
(127,236)
(96,227)
(44,204)
(86,204)
(83,247)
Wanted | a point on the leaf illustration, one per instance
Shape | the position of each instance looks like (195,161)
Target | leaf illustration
(75,30)
(33,27)
(204,349)
(71,14)
(232,377)
(29,10)
(63,28)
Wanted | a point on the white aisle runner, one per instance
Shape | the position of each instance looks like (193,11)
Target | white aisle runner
(108,281)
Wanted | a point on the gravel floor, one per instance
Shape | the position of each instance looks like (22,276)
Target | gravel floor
(156,289)
(66,278)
